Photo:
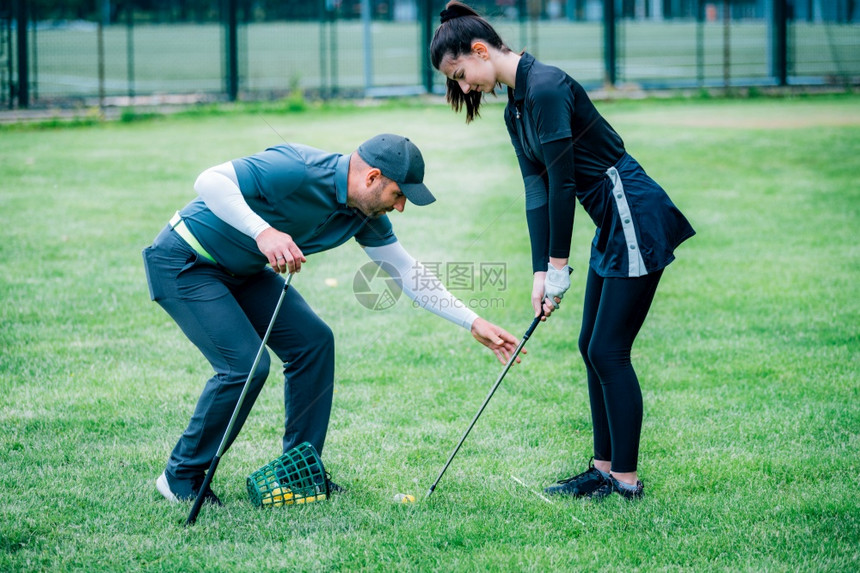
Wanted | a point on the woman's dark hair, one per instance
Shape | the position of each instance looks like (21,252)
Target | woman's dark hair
(460,26)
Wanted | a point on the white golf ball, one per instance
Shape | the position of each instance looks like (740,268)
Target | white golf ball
(404,498)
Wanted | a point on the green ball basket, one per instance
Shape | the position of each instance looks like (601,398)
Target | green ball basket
(297,477)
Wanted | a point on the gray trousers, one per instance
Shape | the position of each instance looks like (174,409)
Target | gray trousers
(226,317)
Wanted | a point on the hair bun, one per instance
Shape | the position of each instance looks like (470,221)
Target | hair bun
(454,10)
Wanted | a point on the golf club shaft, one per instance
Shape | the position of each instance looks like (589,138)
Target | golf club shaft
(198,502)
(510,363)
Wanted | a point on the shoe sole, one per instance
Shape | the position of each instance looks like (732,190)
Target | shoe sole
(576,495)
(573,493)
(164,488)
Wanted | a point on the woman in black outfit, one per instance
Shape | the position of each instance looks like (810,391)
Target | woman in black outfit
(567,151)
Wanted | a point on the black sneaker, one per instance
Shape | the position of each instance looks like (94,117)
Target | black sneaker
(334,488)
(211,498)
(613,485)
(626,492)
(580,485)
(208,496)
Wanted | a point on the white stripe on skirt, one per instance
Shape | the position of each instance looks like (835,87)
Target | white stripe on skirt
(635,264)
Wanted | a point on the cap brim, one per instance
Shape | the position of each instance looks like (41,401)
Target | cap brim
(417,193)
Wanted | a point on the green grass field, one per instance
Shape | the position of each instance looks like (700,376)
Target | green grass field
(748,361)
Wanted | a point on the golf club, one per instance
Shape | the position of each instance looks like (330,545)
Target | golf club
(490,395)
(198,502)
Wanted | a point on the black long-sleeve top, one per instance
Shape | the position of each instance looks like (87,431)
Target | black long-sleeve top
(564,146)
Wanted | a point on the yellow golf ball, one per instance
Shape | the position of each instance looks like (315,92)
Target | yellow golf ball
(310,498)
(279,496)
(404,498)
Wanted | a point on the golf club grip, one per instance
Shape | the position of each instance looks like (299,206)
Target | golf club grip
(201,493)
(510,363)
(531,329)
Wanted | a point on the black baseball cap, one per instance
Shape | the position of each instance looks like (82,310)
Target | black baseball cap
(400,160)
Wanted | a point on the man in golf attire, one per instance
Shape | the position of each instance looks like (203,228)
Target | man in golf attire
(215,270)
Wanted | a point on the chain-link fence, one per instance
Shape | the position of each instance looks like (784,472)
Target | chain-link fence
(257,49)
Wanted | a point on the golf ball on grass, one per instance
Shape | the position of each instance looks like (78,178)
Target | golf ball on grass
(404,498)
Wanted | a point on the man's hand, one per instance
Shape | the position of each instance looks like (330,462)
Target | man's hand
(496,339)
(283,253)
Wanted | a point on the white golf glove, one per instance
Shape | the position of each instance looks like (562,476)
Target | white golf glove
(557,282)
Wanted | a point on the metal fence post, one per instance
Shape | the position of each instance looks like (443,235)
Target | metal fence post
(426,15)
(129,47)
(333,53)
(33,42)
(610,64)
(534,18)
(700,42)
(322,50)
(778,42)
(23,87)
(328,50)
(522,16)
(727,44)
(6,50)
(366,25)
(100,51)
(232,54)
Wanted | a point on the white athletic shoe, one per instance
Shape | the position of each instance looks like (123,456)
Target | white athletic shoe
(164,488)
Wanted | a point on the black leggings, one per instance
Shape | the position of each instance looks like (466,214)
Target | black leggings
(614,311)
